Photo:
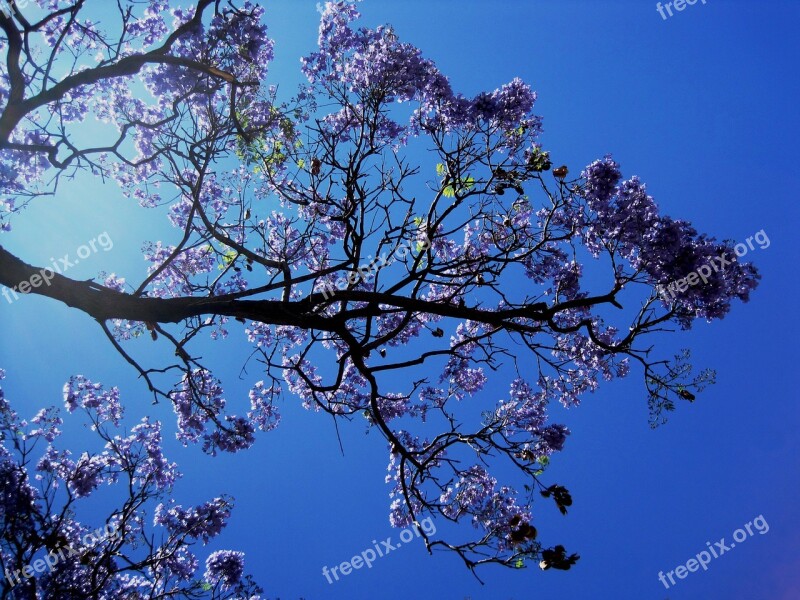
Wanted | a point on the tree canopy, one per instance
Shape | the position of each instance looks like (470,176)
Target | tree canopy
(386,244)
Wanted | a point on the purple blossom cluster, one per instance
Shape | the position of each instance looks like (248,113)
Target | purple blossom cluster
(489,507)
(225,567)
(144,441)
(525,409)
(624,218)
(202,522)
(80,392)
(262,409)
(174,274)
(199,402)
(38,514)
(463,378)
(372,64)
(402,509)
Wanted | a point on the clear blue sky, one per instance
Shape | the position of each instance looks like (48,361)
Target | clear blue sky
(702,106)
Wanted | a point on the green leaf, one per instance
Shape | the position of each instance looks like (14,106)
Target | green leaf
(441,170)
(449,190)
(227,259)
(520,562)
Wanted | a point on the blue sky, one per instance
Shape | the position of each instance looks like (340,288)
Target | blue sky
(702,107)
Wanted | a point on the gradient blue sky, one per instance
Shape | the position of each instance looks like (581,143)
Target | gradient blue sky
(702,106)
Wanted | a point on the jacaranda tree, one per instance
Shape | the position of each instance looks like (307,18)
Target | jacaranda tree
(387,246)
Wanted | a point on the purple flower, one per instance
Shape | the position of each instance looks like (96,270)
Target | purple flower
(201,522)
(88,475)
(225,567)
(552,439)
(602,177)
(80,392)
(263,412)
